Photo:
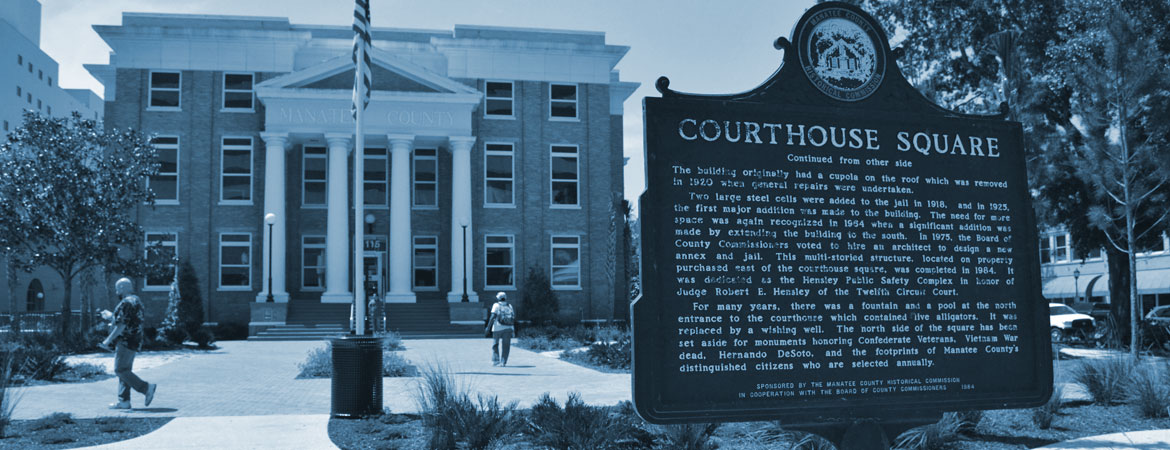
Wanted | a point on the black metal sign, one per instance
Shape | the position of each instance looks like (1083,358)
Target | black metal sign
(832,244)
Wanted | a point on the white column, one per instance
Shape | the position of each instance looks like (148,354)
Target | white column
(337,251)
(274,186)
(460,215)
(401,290)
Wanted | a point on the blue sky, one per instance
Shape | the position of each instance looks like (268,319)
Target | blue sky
(702,46)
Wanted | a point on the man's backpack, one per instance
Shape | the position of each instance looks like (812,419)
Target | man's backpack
(506,316)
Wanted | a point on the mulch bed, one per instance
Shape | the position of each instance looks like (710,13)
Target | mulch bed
(62,431)
(388,431)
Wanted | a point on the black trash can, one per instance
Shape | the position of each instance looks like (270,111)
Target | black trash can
(357,376)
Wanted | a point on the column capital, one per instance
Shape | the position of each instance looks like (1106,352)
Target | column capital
(338,139)
(461,143)
(397,140)
(275,139)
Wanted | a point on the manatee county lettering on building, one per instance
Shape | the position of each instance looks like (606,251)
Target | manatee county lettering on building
(831,244)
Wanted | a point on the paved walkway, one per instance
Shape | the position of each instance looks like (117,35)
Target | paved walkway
(245,395)
(259,378)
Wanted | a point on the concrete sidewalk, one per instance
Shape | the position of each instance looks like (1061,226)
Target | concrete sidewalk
(245,395)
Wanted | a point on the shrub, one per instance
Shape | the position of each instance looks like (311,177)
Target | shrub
(230,331)
(1151,392)
(454,420)
(9,395)
(172,335)
(52,422)
(204,338)
(395,366)
(1042,416)
(970,419)
(85,371)
(318,365)
(392,341)
(579,426)
(191,304)
(1105,379)
(539,305)
(691,436)
(42,362)
(931,437)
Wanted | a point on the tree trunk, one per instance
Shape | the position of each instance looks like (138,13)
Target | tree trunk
(67,307)
(1119,275)
(1135,305)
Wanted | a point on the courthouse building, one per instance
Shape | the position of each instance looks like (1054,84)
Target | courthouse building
(501,144)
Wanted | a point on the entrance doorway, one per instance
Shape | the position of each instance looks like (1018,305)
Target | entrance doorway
(373,263)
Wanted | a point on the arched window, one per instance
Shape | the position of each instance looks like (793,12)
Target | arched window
(36,296)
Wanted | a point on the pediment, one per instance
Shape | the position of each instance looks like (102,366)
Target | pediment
(388,73)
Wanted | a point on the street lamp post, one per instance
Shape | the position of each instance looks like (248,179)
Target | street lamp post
(1076,285)
(270,220)
(463,223)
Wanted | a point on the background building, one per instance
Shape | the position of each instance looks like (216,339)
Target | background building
(508,137)
(1072,278)
(28,81)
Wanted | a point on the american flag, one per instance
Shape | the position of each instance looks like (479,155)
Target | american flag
(361,54)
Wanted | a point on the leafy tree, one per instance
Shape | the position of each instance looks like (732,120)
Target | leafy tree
(539,305)
(68,193)
(1119,99)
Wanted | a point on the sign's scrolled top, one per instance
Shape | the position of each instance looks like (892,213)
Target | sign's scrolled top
(832,244)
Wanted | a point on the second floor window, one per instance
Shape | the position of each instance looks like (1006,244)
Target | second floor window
(164,89)
(564,175)
(376,166)
(237,91)
(497,177)
(166,183)
(426,177)
(314,176)
(236,170)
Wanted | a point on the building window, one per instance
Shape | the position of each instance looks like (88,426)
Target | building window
(376,167)
(313,262)
(40,74)
(314,174)
(562,101)
(497,175)
(49,110)
(19,92)
(20,60)
(499,261)
(166,183)
(5,125)
(426,176)
(426,262)
(50,81)
(164,89)
(498,99)
(566,262)
(237,91)
(1055,248)
(235,266)
(28,96)
(564,175)
(30,67)
(39,104)
(236,170)
(160,253)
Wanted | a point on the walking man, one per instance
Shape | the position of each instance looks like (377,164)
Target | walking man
(126,338)
(502,326)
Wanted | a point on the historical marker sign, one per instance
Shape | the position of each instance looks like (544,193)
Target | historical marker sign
(832,244)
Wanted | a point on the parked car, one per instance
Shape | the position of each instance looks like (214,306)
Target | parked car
(1065,321)
(1159,315)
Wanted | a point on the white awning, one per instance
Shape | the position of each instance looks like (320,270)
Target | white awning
(1153,281)
(1061,287)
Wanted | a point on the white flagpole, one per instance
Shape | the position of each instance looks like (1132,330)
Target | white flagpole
(359,152)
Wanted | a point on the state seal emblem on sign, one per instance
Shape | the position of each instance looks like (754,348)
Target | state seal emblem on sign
(841,56)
